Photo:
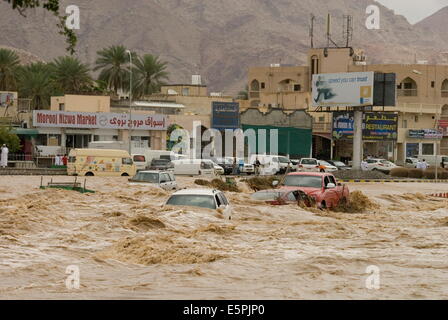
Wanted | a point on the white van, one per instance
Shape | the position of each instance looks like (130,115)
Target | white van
(271,164)
(193,167)
(139,161)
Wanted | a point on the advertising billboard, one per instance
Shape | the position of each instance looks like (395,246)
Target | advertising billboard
(425,134)
(101,120)
(343,89)
(375,126)
(225,115)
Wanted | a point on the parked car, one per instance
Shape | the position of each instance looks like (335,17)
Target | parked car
(247,167)
(202,198)
(193,167)
(271,164)
(226,164)
(324,166)
(218,169)
(323,187)
(161,164)
(308,165)
(162,179)
(283,196)
(382,165)
(339,164)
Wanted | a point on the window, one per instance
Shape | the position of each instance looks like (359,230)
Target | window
(433,84)
(408,88)
(185,91)
(321,119)
(445,88)
(405,124)
(332,180)
(292,196)
(62,107)
(416,118)
(126,161)
(263,85)
(218,201)
(297,87)
(41,140)
(314,65)
(165,178)
(139,158)
(427,149)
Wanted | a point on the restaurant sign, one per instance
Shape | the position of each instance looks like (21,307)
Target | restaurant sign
(100,120)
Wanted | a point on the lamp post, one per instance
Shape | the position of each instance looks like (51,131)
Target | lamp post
(130,100)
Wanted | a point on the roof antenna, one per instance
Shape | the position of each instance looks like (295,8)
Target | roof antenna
(347,31)
(312,30)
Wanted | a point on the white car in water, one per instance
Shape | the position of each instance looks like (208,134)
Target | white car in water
(308,165)
(202,198)
(162,179)
(325,166)
(382,165)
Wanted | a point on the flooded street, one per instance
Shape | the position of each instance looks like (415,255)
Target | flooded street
(127,246)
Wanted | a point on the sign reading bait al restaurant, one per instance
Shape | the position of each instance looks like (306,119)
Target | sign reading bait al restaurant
(343,89)
(103,120)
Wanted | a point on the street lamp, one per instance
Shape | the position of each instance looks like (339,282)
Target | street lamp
(130,100)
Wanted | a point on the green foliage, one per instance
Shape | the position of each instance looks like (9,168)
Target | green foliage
(52,6)
(113,63)
(244,94)
(9,61)
(35,83)
(70,75)
(10,139)
(149,74)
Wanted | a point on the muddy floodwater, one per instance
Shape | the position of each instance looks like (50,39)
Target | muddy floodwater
(127,246)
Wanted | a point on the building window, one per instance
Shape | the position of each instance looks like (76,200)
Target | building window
(263,85)
(314,65)
(416,119)
(62,107)
(321,119)
(405,124)
(297,87)
(41,140)
(445,88)
(407,88)
(185,91)
(433,84)
(427,149)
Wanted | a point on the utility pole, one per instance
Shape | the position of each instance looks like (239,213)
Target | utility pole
(130,101)
(357,139)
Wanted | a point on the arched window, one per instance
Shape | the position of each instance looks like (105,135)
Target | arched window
(445,88)
(254,89)
(445,111)
(407,88)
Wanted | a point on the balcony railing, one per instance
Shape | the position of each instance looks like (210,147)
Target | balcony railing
(407,92)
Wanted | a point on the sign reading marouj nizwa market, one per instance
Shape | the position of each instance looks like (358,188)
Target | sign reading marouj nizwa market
(103,120)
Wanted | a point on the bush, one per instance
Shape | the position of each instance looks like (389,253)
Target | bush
(415,173)
(217,184)
(399,172)
(431,173)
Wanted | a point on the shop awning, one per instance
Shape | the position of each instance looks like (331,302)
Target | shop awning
(25,132)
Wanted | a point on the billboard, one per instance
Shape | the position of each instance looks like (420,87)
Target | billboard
(425,134)
(100,120)
(225,115)
(343,89)
(7,99)
(375,126)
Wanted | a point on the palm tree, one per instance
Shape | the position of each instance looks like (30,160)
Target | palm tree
(149,73)
(114,65)
(71,75)
(9,61)
(35,83)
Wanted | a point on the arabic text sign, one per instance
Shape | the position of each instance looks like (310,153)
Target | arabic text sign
(87,120)
(343,89)
(425,134)
(225,115)
(375,126)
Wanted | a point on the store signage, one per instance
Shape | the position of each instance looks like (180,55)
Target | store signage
(100,120)
(425,134)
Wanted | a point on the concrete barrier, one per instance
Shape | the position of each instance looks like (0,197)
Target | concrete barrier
(32,172)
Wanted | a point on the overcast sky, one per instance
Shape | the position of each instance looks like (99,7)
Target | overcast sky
(414,10)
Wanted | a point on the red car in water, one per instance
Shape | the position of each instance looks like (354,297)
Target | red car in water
(280,197)
(321,186)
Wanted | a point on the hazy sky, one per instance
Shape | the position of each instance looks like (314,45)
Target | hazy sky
(414,10)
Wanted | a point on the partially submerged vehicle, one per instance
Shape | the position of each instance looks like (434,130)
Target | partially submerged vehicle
(283,197)
(202,198)
(323,187)
(162,179)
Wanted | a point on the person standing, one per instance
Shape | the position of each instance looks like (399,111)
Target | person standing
(4,156)
(424,165)
(257,166)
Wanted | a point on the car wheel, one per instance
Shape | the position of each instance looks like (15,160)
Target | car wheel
(323,205)
(125,175)
(89,174)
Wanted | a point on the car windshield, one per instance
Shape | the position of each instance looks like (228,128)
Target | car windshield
(202,201)
(150,177)
(139,158)
(308,161)
(303,181)
(283,160)
(267,195)
(339,163)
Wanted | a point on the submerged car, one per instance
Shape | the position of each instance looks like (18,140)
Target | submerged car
(161,164)
(339,164)
(283,197)
(161,179)
(323,187)
(382,165)
(202,198)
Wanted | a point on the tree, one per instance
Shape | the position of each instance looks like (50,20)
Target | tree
(52,6)
(244,94)
(35,83)
(10,139)
(114,65)
(9,61)
(150,73)
(70,75)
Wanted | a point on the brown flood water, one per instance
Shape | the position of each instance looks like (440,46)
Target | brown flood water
(128,247)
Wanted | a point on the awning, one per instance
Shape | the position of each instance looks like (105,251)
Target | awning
(25,132)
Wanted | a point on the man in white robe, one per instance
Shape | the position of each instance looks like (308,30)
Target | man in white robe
(4,156)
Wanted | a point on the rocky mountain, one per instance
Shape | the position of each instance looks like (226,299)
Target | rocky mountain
(221,39)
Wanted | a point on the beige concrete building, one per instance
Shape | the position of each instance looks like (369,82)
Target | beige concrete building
(422,100)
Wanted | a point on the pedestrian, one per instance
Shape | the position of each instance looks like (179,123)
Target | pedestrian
(235,167)
(240,166)
(4,156)
(424,165)
(257,166)
(364,165)
(64,160)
